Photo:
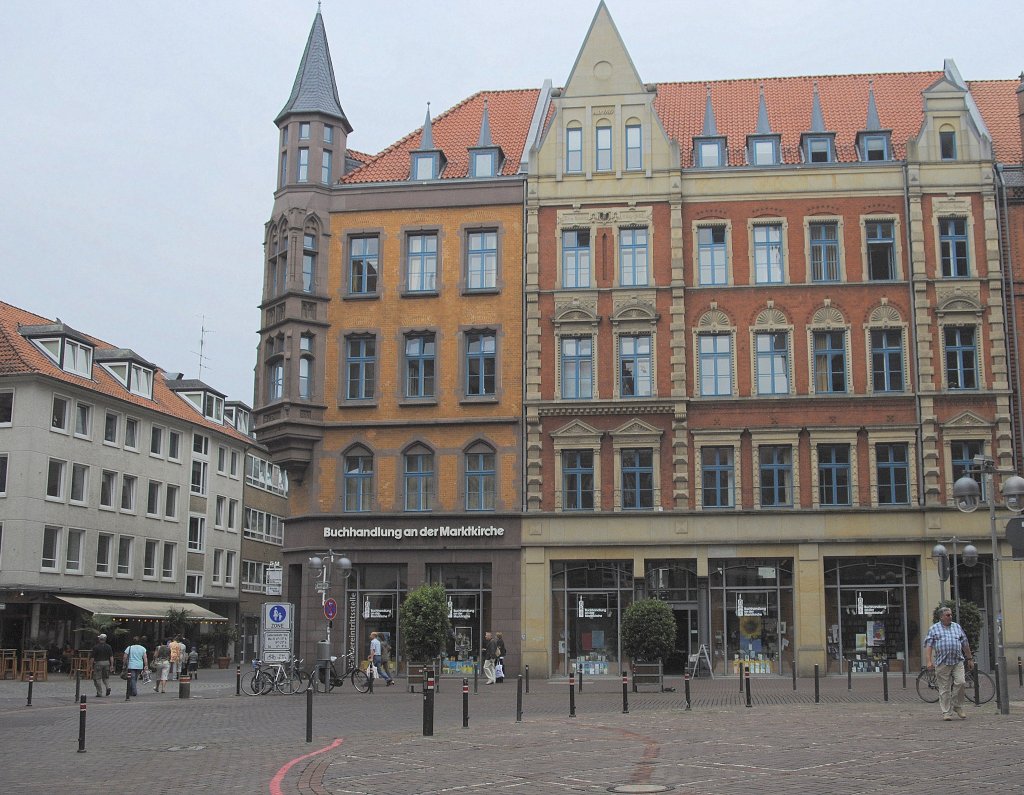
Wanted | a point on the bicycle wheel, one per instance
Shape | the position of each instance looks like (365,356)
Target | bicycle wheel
(263,683)
(360,681)
(986,687)
(323,680)
(297,682)
(927,689)
(249,686)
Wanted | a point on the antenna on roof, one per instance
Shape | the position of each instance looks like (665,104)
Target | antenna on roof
(202,344)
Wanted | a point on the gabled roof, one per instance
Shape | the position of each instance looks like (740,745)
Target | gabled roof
(314,89)
(18,356)
(454,132)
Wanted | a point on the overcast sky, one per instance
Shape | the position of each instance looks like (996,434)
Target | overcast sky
(138,147)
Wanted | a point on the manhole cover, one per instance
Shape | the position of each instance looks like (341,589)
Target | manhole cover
(640,788)
(186,748)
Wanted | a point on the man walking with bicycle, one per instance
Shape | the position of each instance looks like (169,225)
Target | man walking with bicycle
(946,650)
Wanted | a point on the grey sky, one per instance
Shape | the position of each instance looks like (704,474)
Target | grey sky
(138,149)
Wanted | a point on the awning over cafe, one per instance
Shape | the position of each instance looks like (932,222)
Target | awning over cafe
(142,609)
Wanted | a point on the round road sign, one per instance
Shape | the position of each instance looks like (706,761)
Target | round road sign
(330,609)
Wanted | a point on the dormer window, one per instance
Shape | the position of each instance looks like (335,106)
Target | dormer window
(484,163)
(763,151)
(818,149)
(424,166)
(874,147)
(71,356)
(947,143)
(211,405)
(708,153)
(134,377)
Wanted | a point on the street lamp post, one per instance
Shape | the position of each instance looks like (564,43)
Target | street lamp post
(942,561)
(966,493)
(322,563)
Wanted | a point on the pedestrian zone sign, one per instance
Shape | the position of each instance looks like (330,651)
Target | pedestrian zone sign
(277,615)
(276,638)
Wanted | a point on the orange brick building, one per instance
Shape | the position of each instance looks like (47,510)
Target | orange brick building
(725,344)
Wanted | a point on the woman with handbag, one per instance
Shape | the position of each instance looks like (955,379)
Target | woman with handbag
(135,660)
(161,666)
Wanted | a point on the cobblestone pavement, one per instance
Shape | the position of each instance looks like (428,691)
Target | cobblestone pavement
(851,742)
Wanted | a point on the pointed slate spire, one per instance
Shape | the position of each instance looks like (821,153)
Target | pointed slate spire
(427,138)
(485,128)
(763,127)
(710,128)
(872,123)
(817,119)
(315,90)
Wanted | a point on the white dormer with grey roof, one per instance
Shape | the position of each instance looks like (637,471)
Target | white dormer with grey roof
(426,161)
(314,128)
(818,145)
(764,148)
(70,350)
(953,129)
(203,398)
(485,159)
(129,369)
(873,143)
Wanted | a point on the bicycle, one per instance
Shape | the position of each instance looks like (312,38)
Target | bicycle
(928,686)
(321,683)
(280,677)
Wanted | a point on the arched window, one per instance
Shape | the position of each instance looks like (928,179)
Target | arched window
(480,478)
(309,274)
(419,479)
(275,368)
(358,475)
(306,367)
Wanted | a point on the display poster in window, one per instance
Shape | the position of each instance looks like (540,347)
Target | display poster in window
(876,633)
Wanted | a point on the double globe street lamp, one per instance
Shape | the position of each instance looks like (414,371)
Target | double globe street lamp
(322,564)
(941,556)
(967,495)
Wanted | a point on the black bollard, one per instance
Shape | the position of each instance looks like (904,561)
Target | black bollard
(572,694)
(817,686)
(904,674)
(995,676)
(81,725)
(369,679)
(527,678)
(793,668)
(465,703)
(184,687)
(1020,672)
(476,678)
(579,677)
(78,685)
(238,680)
(519,698)
(686,686)
(849,676)
(309,715)
(885,681)
(128,687)
(746,679)
(977,690)
(742,669)
(625,694)
(31,679)
(428,703)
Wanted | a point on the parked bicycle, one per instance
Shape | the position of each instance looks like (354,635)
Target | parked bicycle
(975,681)
(326,677)
(264,678)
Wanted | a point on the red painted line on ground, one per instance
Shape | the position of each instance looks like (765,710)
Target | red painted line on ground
(275,782)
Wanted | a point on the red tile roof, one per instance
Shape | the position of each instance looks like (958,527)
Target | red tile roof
(456,130)
(18,356)
(844,102)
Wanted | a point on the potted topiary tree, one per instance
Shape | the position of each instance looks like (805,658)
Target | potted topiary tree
(648,636)
(222,635)
(425,627)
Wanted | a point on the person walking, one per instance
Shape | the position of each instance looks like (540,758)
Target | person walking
(177,652)
(376,659)
(489,652)
(499,660)
(102,656)
(193,663)
(162,666)
(947,650)
(135,661)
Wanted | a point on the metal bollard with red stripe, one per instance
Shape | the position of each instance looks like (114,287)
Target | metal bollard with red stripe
(31,679)
(572,693)
(686,686)
(81,726)
(465,703)
(746,679)
(428,704)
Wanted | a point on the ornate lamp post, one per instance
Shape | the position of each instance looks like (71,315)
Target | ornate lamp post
(967,495)
(322,564)
(942,561)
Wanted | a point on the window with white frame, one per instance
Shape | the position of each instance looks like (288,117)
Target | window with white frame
(104,547)
(220,512)
(421,263)
(603,148)
(156,441)
(636,366)
(3,474)
(825,251)
(712,256)
(233,516)
(73,551)
(110,425)
(358,480)
(128,486)
(124,556)
(768,254)
(772,362)
(829,350)
(50,560)
(263,526)
(59,414)
(229,568)
(634,147)
(83,420)
(953,249)
(218,565)
(173,446)
(196,533)
(577,368)
(714,355)
(633,258)
(222,460)
(264,475)
(193,583)
(153,498)
(575,258)
(482,260)
(149,559)
(171,502)
(131,434)
(56,472)
(199,476)
(254,576)
(108,488)
(574,150)
(79,484)
(6,407)
(168,554)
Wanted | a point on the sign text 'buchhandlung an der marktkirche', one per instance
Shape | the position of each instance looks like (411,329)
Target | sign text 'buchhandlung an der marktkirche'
(398,533)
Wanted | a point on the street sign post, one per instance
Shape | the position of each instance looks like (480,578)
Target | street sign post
(276,636)
(275,579)
(330,609)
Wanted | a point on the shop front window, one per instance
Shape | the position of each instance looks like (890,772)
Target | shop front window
(751,615)
(587,599)
(675,582)
(871,611)
(468,586)
(374,594)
